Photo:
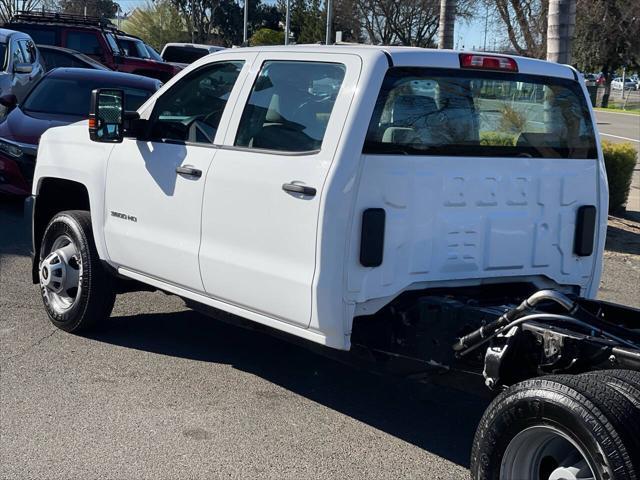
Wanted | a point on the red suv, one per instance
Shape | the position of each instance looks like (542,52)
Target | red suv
(94,37)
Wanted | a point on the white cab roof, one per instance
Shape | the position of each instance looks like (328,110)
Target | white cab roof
(424,57)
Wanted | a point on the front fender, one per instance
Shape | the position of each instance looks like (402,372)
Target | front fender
(67,153)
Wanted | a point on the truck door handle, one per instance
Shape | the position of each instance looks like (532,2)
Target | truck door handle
(295,188)
(189,170)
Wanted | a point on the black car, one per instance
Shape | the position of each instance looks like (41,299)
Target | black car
(55,57)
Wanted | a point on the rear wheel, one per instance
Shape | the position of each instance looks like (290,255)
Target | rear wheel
(627,382)
(558,428)
(76,290)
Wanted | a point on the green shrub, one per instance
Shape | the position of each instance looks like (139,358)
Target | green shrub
(619,160)
(497,139)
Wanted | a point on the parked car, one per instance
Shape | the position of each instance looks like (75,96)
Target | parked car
(183,54)
(61,97)
(56,57)
(93,37)
(617,84)
(21,63)
(314,191)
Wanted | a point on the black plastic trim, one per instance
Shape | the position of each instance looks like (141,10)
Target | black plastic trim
(372,237)
(389,58)
(585,230)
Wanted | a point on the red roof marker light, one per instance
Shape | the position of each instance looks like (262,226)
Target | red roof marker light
(487,62)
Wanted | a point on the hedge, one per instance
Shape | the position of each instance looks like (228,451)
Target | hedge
(620,160)
(498,139)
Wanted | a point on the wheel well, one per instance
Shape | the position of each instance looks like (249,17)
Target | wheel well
(54,195)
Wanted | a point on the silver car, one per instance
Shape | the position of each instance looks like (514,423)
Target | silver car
(21,65)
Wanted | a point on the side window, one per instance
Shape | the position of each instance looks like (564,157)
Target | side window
(84,42)
(290,106)
(16,51)
(40,35)
(28,51)
(191,110)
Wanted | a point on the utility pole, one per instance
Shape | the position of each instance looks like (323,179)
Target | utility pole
(447,23)
(486,25)
(561,25)
(329,21)
(287,23)
(245,35)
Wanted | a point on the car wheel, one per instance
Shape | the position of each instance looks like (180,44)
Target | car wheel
(558,427)
(76,290)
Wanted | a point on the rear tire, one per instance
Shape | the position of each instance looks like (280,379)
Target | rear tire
(76,290)
(627,382)
(556,427)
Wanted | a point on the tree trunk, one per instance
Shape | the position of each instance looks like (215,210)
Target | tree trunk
(447,23)
(562,22)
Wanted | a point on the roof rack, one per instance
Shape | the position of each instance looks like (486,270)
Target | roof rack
(56,17)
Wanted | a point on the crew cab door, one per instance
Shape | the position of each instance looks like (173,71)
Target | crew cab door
(154,187)
(264,190)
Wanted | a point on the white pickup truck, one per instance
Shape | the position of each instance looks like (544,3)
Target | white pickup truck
(429,211)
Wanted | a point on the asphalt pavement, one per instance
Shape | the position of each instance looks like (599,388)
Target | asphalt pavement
(623,128)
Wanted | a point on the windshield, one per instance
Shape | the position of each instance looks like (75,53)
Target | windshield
(3,56)
(113,43)
(183,54)
(153,54)
(133,48)
(424,111)
(65,96)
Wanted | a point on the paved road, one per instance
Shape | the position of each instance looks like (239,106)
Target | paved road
(620,128)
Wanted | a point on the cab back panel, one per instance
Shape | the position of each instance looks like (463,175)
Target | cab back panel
(462,218)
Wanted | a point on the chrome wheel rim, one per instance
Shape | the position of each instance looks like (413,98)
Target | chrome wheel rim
(545,453)
(61,274)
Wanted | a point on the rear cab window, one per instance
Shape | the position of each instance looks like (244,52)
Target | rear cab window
(450,112)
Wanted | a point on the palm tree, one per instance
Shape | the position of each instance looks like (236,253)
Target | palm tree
(560,27)
(447,23)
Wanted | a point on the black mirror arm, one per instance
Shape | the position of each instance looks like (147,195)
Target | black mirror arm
(134,126)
